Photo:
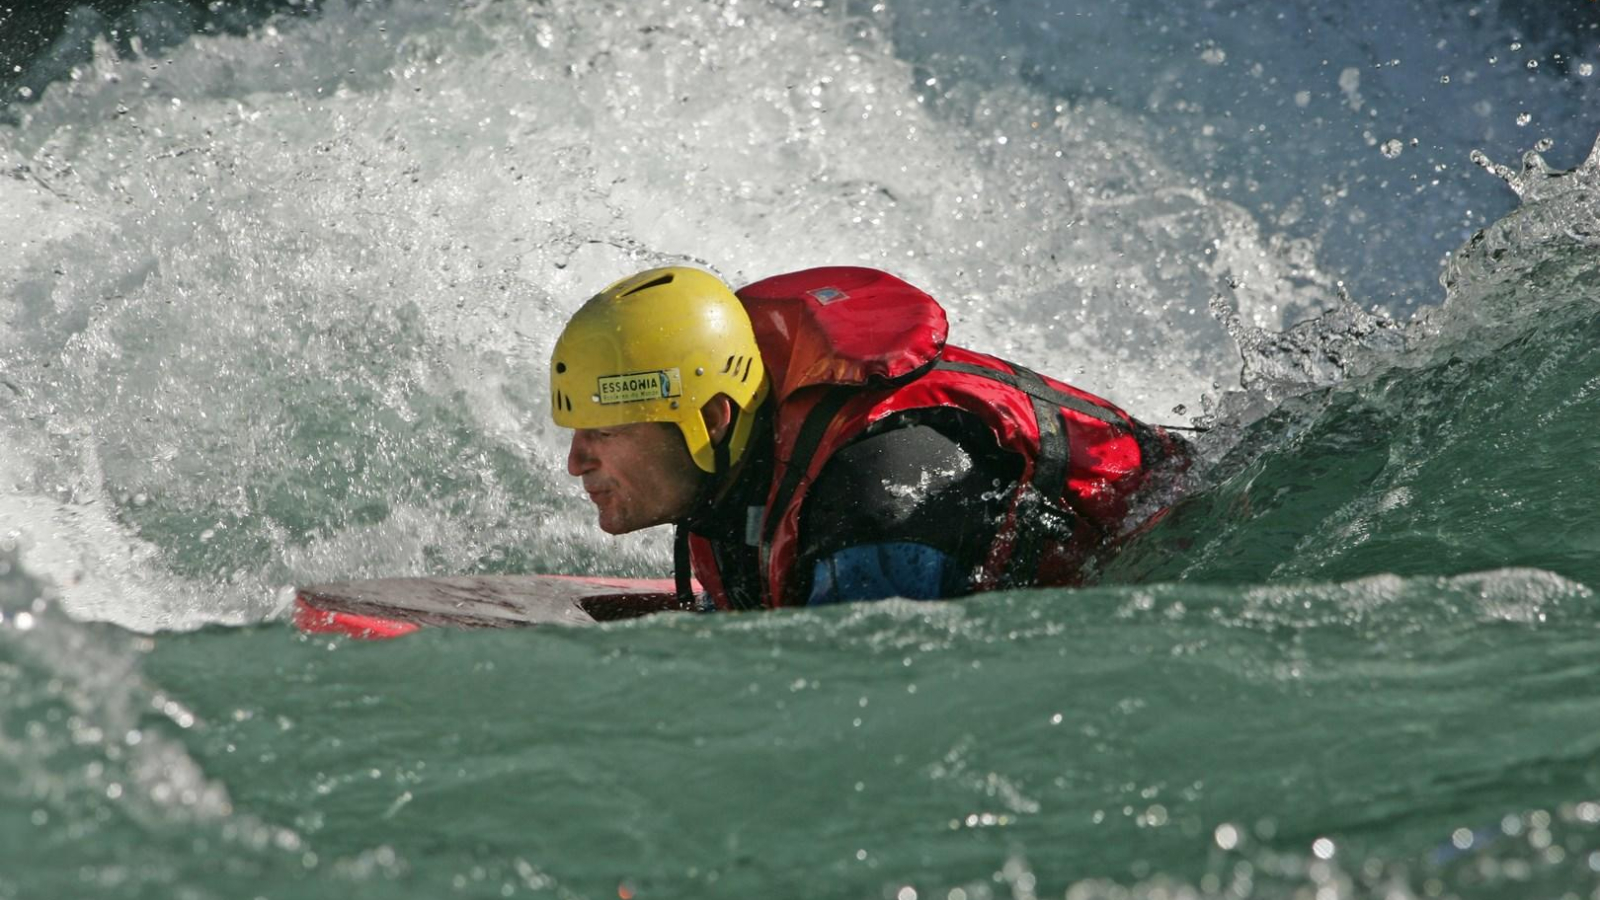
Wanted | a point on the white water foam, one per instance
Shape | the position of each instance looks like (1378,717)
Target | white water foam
(255,275)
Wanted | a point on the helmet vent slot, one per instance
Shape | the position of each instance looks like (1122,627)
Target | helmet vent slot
(728,366)
(658,282)
(747,361)
(563,401)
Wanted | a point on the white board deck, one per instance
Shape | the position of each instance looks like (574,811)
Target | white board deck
(490,601)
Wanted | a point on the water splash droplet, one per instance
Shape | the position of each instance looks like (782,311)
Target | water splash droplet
(1392,148)
(1585,69)
(1523,119)
(1537,181)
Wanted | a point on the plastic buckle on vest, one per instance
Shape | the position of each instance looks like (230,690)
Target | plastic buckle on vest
(752,525)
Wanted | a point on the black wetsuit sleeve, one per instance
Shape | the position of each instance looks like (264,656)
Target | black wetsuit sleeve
(936,484)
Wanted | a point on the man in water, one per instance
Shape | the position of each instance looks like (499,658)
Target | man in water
(814,440)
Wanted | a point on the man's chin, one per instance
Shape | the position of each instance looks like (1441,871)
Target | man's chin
(613,525)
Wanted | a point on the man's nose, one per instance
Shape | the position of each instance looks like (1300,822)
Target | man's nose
(579,460)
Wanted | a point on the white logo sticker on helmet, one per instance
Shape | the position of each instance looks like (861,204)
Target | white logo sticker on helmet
(638,386)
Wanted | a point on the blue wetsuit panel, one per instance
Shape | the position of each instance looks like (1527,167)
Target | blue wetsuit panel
(877,571)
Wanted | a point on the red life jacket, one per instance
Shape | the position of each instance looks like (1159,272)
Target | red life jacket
(846,347)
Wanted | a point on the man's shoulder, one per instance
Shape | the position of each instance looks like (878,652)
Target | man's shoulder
(920,477)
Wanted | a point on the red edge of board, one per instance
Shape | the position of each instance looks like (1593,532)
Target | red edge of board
(311,620)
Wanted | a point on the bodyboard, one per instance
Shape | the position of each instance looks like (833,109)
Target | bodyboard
(391,607)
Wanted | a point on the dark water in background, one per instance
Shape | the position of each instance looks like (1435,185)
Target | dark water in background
(276,304)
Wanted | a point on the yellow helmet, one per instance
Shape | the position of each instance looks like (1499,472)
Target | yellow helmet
(655,347)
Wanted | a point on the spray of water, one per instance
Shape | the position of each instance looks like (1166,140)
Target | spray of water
(280,302)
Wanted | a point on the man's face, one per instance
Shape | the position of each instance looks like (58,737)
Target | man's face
(636,475)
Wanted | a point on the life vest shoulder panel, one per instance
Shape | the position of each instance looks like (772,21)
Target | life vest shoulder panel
(842,325)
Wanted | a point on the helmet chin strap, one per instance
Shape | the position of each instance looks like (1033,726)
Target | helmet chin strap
(720,450)
(713,489)
(705,498)
(714,484)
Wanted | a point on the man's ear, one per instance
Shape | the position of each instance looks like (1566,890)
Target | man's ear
(718,413)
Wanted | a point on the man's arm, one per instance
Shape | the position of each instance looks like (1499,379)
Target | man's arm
(907,511)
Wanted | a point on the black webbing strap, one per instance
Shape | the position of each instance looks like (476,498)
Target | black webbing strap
(1036,388)
(805,447)
(1152,448)
(1050,468)
(681,567)
(1049,481)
